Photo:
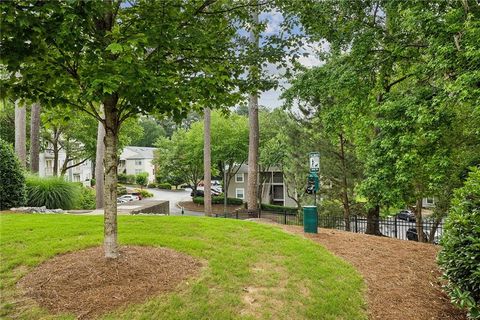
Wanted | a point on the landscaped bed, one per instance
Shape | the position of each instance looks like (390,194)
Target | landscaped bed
(236,270)
(402,277)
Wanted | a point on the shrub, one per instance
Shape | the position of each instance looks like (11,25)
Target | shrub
(12,186)
(121,190)
(219,200)
(122,178)
(52,192)
(93,182)
(142,179)
(460,256)
(86,199)
(130,178)
(152,185)
(271,207)
(165,185)
(144,193)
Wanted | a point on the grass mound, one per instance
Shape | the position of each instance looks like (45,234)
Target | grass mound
(251,271)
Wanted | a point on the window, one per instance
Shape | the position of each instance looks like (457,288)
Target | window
(430,201)
(137,171)
(278,192)
(49,164)
(277,177)
(239,178)
(138,162)
(239,193)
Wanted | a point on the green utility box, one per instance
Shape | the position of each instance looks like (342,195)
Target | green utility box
(310,219)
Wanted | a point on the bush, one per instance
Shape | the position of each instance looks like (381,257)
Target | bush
(121,190)
(152,185)
(165,185)
(86,199)
(271,207)
(93,182)
(142,179)
(219,200)
(12,186)
(52,192)
(460,257)
(144,193)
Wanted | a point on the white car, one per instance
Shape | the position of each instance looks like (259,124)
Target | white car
(129,197)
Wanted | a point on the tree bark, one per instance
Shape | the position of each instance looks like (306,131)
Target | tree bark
(207,165)
(35,138)
(345,200)
(253,141)
(373,218)
(418,220)
(20,133)
(56,151)
(112,125)
(99,170)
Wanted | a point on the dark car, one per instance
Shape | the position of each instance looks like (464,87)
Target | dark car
(412,234)
(197,193)
(200,193)
(406,215)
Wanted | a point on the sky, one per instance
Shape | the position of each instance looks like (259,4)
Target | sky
(271,98)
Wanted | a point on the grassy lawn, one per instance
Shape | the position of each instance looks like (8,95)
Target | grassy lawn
(253,271)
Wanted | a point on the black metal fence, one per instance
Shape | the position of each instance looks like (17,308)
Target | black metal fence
(391,227)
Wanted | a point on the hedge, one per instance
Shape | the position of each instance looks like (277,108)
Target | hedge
(219,200)
(164,185)
(12,180)
(271,207)
(459,258)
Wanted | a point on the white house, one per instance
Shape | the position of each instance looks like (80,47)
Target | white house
(135,160)
(81,173)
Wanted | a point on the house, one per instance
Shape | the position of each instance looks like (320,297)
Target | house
(134,160)
(81,173)
(274,189)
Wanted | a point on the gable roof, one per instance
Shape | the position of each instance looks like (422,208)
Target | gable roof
(132,152)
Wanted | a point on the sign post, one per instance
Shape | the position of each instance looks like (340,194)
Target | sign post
(310,214)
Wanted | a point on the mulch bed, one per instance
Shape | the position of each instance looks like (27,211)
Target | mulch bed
(402,277)
(86,284)
(216,208)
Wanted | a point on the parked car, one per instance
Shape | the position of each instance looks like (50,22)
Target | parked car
(128,197)
(412,234)
(138,194)
(406,215)
(200,192)
(120,201)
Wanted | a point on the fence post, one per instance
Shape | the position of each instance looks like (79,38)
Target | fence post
(356,224)
(396,228)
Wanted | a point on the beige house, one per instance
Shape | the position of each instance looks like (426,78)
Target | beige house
(274,189)
(135,160)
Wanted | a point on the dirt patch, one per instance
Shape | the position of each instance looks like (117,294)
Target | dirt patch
(261,296)
(402,277)
(84,283)
(216,208)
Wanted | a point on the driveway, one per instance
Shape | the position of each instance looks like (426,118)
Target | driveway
(174,197)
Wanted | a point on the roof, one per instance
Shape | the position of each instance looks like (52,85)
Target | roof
(131,152)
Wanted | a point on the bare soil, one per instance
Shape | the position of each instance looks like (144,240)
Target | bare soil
(86,284)
(402,277)
(216,208)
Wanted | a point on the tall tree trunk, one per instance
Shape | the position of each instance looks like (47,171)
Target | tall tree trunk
(112,126)
(253,141)
(345,200)
(373,219)
(20,133)
(35,137)
(56,151)
(207,165)
(418,220)
(99,170)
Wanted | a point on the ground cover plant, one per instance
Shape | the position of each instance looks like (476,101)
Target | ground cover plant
(252,270)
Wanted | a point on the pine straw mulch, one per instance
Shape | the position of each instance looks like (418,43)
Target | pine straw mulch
(86,284)
(402,277)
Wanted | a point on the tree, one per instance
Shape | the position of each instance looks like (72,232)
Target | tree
(142,179)
(12,187)
(152,130)
(20,133)
(254,130)
(166,58)
(99,169)
(35,137)
(207,163)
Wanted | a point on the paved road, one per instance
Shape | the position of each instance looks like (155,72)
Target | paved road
(174,196)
